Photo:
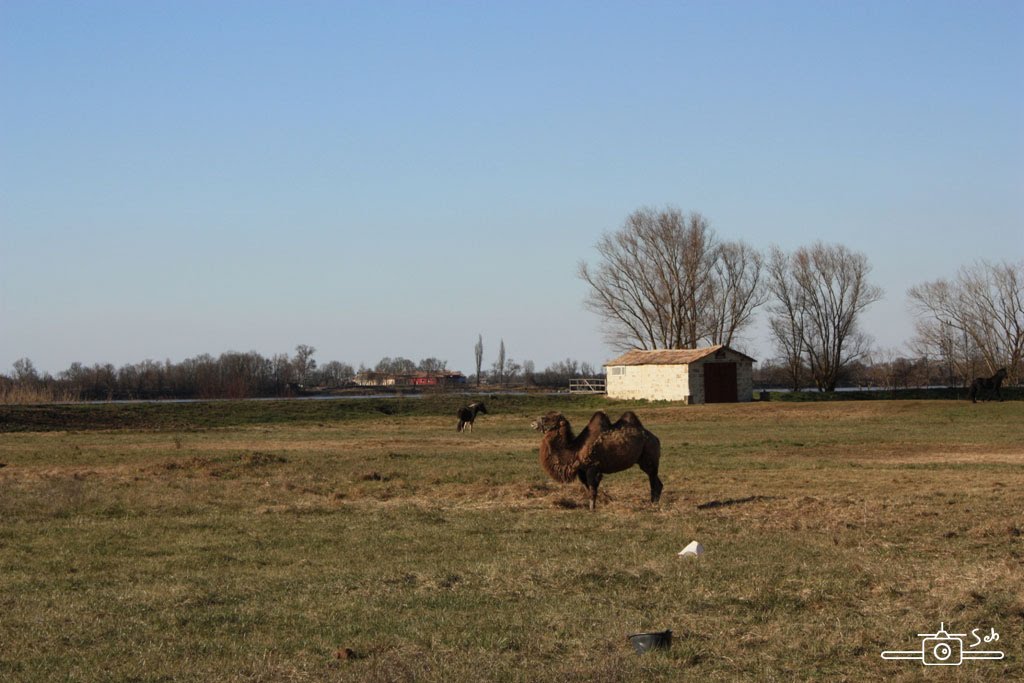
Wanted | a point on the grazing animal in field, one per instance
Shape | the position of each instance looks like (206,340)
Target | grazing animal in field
(468,414)
(601,448)
(983,387)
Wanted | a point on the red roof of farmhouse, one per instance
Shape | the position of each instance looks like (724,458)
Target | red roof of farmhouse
(670,356)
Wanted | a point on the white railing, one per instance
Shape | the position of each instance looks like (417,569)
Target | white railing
(584,385)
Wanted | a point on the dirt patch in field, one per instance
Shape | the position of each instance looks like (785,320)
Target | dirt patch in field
(732,501)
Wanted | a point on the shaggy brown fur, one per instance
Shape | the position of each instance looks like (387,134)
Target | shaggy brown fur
(600,448)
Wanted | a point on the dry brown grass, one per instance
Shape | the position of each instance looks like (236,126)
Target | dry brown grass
(833,531)
(27,395)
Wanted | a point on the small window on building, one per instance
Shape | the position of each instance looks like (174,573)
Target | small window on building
(618,370)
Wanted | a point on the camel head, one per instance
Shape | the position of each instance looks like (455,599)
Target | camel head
(549,422)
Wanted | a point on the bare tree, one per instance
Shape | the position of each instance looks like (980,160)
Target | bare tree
(787,317)
(980,315)
(941,330)
(512,370)
(820,292)
(336,373)
(25,372)
(478,351)
(499,364)
(282,371)
(395,366)
(736,291)
(528,371)
(664,281)
(304,362)
(433,365)
(560,372)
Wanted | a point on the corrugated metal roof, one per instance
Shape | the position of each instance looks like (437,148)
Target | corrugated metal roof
(670,356)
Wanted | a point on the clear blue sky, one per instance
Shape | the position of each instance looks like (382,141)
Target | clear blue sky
(393,178)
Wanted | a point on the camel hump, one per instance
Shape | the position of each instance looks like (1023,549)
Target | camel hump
(599,422)
(629,419)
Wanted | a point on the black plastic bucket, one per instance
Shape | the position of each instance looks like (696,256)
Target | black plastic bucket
(642,642)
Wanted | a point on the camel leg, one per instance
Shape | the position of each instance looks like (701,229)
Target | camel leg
(593,481)
(581,474)
(649,465)
(656,487)
(651,470)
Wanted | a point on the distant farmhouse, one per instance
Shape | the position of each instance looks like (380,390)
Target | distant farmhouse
(716,374)
(410,379)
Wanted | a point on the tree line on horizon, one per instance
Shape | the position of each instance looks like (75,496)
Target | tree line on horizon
(247,375)
(666,280)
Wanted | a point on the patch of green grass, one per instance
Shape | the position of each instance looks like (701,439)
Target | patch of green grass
(941,394)
(184,416)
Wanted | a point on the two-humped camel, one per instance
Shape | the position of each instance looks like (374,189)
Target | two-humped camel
(601,448)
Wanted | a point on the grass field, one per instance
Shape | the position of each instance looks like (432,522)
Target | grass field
(368,541)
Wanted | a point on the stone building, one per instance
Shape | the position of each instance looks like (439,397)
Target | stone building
(716,374)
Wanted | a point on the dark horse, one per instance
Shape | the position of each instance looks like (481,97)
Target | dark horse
(467,414)
(986,387)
